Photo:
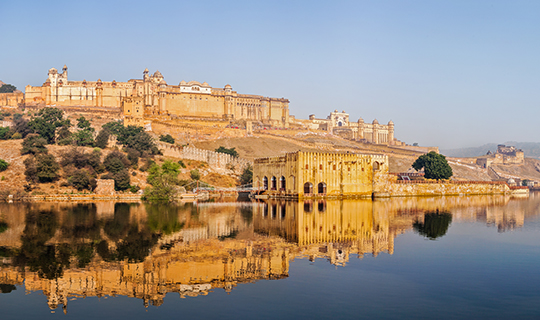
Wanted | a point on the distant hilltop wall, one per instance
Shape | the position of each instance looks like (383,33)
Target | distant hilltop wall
(11,99)
(215,159)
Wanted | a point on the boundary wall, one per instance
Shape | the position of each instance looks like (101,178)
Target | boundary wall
(446,188)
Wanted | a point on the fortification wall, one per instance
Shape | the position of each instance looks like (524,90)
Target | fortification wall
(214,159)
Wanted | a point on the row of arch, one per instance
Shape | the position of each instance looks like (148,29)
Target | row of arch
(273,183)
(308,186)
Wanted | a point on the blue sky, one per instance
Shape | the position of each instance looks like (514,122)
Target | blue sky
(448,73)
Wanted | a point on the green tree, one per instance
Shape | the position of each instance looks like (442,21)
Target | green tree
(164,181)
(166,138)
(5,133)
(435,166)
(30,170)
(84,138)
(116,161)
(435,225)
(114,127)
(3,165)
(34,144)
(7,88)
(20,125)
(46,123)
(230,151)
(102,138)
(81,179)
(194,174)
(247,175)
(47,168)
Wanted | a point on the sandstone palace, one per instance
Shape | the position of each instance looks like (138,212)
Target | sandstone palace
(141,101)
(151,95)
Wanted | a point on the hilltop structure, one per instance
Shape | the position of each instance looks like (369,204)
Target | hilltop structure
(503,155)
(151,95)
(339,124)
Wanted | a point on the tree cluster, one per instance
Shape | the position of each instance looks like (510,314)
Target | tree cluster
(81,169)
(231,151)
(166,138)
(7,88)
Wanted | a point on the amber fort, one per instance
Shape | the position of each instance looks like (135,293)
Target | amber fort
(139,101)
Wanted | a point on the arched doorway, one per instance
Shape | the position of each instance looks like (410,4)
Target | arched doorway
(376,166)
(282,184)
(321,188)
(265,183)
(274,184)
(308,188)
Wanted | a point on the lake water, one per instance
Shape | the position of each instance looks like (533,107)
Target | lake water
(416,258)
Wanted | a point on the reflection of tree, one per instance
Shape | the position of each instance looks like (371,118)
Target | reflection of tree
(435,225)
(163,218)
(7,288)
(81,222)
(117,227)
(247,213)
(3,226)
(136,246)
(48,260)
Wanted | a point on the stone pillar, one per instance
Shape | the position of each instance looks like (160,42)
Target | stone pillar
(391,133)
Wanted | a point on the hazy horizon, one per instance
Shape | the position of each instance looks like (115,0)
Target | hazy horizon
(450,74)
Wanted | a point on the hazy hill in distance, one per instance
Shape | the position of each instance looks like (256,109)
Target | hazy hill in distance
(531,149)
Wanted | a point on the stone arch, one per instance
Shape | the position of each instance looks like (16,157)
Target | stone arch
(321,188)
(282,183)
(376,166)
(273,185)
(265,183)
(308,188)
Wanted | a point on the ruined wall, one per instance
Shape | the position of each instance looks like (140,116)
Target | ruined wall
(105,187)
(11,99)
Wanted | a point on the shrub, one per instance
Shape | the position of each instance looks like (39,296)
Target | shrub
(116,161)
(230,151)
(30,169)
(102,138)
(47,168)
(80,179)
(34,144)
(181,163)
(166,138)
(3,165)
(247,175)
(194,174)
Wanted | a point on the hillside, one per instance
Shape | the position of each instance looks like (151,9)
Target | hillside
(531,149)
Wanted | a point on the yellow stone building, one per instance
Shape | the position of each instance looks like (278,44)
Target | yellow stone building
(318,174)
(339,124)
(151,95)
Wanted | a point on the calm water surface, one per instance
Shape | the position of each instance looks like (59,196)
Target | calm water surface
(417,258)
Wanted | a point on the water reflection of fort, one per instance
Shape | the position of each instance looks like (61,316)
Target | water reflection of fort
(146,251)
